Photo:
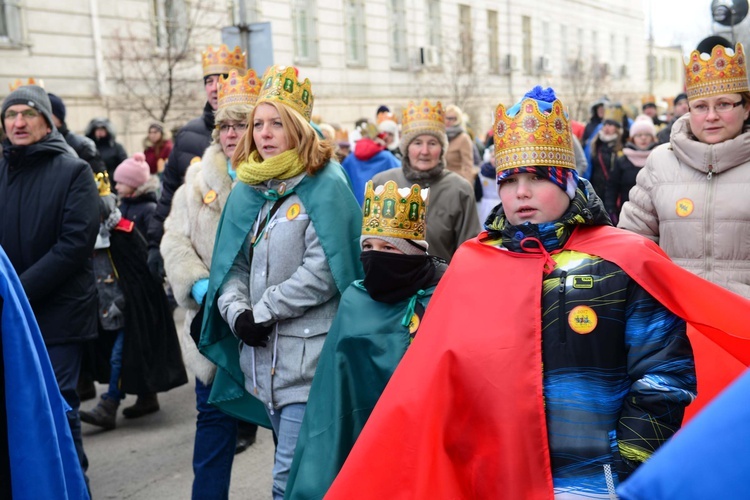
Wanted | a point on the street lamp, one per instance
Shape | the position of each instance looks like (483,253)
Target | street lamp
(729,13)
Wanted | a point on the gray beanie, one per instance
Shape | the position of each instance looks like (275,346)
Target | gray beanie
(32,96)
(400,243)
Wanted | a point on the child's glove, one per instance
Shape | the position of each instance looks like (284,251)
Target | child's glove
(199,290)
(250,332)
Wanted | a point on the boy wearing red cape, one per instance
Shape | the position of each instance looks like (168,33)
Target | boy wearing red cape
(580,367)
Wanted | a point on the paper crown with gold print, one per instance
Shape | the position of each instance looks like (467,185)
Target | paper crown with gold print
(280,85)
(392,212)
(238,88)
(422,118)
(719,73)
(614,112)
(20,83)
(221,61)
(533,137)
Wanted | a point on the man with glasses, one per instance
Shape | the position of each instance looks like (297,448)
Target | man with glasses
(50,218)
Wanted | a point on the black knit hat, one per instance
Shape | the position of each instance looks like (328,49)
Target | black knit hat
(680,97)
(34,97)
(58,106)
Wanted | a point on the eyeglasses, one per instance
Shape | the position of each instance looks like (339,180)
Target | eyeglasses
(238,128)
(451,118)
(26,113)
(719,107)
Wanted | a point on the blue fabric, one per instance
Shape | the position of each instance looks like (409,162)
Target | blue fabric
(587,151)
(232,172)
(199,290)
(361,171)
(213,453)
(286,422)
(44,462)
(543,97)
(707,459)
(115,367)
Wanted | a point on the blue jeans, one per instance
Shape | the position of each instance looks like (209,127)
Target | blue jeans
(213,453)
(286,422)
(66,362)
(115,368)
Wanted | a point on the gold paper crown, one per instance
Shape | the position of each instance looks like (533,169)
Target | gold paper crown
(238,88)
(221,61)
(721,73)
(392,212)
(20,83)
(533,137)
(342,135)
(422,117)
(280,85)
(614,112)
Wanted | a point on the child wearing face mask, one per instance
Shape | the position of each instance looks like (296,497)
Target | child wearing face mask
(377,320)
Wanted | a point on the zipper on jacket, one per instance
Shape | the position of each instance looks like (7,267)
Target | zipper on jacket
(561,306)
(708,225)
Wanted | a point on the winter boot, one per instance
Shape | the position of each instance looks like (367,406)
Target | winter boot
(245,436)
(103,415)
(145,404)
(86,389)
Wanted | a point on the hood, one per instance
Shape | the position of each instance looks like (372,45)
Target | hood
(700,156)
(100,123)
(366,148)
(148,189)
(51,145)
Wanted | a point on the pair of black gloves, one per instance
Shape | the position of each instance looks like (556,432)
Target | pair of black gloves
(250,332)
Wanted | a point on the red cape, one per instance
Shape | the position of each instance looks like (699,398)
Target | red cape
(463,415)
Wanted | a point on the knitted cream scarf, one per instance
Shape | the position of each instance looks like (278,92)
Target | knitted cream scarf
(283,166)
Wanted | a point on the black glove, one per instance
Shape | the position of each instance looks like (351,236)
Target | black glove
(156,264)
(250,332)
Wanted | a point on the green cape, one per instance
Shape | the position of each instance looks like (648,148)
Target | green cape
(365,344)
(325,196)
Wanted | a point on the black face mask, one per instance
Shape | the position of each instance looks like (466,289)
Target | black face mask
(392,277)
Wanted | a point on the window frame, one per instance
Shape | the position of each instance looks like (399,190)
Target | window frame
(310,40)
(355,34)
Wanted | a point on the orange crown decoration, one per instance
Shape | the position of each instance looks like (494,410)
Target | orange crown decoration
(280,85)
(221,61)
(723,72)
(422,117)
(533,137)
(20,83)
(238,88)
(394,212)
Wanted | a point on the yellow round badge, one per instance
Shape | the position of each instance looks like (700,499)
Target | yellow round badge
(210,196)
(582,319)
(413,323)
(195,159)
(684,207)
(293,212)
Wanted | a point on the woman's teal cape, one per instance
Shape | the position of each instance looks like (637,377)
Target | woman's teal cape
(337,219)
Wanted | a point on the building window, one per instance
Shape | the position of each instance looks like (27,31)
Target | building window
(170,24)
(581,48)
(595,45)
(528,66)
(304,27)
(466,50)
(434,38)
(564,55)
(10,22)
(354,16)
(493,38)
(397,26)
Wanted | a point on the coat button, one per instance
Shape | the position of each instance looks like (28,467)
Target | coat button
(307,330)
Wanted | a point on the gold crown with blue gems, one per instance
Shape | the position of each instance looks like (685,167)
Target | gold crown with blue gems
(238,88)
(280,85)
(221,61)
(533,137)
(390,211)
(719,73)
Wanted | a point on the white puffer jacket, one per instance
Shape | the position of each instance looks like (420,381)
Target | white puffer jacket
(188,243)
(693,199)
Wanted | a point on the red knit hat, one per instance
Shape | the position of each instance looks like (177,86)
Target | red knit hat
(133,172)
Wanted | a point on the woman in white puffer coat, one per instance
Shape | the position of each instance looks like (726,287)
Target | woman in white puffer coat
(691,196)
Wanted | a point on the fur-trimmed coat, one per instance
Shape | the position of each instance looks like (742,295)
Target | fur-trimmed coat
(188,242)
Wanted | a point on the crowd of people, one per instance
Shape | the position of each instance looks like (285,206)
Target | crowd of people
(412,310)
